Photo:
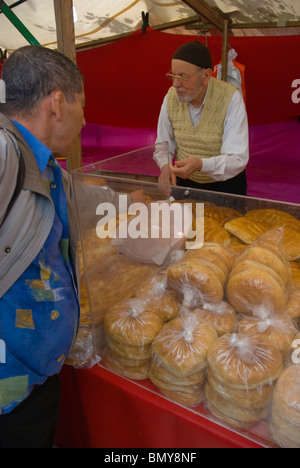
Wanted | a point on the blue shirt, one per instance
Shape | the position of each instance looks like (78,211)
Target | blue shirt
(39,314)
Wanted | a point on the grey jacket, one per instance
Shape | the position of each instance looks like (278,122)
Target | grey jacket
(29,223)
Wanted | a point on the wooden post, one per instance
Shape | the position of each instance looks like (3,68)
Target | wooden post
(225,50)
(66,45)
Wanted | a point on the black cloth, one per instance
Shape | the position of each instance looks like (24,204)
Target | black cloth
(32,423)
(237,185)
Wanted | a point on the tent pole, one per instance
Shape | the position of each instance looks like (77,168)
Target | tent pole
(225,50)
(17,23)
(66,45)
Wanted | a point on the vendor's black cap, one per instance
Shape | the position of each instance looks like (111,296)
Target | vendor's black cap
(196,53)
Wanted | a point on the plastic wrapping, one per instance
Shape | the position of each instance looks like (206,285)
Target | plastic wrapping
(130,327)
(260,276)
(241,375)
(275,329)
(222,316)
(205,270)
(179,358)
(154,291)
(285,414)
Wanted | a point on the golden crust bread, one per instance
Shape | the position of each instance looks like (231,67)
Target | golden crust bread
(254,288)
(270,258)
(221,214)
(291,242)
(252,399)
(245,229)
(214,232)
(277,330)
(230,413)
(154,290)
(241,362)
(132,322)
(292,308)
(135,371)
(285,414)
(182,345)
(195,275)
(295,274)
(271,218)
(222,316)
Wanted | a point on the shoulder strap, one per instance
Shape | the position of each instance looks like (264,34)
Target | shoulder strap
(20,177)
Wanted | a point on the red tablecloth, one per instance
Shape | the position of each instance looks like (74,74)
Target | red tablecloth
(100,409)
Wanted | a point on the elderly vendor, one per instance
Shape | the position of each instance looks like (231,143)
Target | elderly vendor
(203,125)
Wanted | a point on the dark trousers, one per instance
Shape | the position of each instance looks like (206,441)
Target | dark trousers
(33,422)
(237,185)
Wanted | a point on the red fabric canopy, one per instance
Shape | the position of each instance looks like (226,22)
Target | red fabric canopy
(125,80)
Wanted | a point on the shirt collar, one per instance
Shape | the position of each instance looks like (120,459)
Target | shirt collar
(40,151)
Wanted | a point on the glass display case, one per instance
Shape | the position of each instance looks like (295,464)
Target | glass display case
(194,295)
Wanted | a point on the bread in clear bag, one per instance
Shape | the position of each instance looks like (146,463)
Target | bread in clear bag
(242,372)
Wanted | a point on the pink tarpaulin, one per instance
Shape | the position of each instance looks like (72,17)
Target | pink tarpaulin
(273,171)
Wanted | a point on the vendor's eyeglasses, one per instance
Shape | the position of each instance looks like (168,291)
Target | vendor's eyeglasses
(181,78)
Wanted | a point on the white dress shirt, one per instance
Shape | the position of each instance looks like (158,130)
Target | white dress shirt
(235,142)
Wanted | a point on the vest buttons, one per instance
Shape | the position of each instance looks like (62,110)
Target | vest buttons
(7,250)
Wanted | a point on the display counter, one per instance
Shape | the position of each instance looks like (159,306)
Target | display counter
(190,300)
(100,409)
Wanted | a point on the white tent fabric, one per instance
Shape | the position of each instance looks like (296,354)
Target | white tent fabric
(96,19)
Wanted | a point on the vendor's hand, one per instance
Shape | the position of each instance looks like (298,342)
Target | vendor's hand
(185,168)
(166,176)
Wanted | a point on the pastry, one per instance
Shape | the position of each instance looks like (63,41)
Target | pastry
(245,229)
(154,291)
(260,276)
(254,288)
(285,414)
(295,274)
(222,316)
(132,322)
(205,269)
(292,308)
(182,345)
(242,362)
(241,374)
(276,329)
(272,218)
(178,359)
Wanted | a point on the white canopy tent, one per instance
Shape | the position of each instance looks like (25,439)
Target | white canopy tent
(106,20)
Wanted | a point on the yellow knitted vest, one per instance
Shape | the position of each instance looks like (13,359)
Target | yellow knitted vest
(204,140)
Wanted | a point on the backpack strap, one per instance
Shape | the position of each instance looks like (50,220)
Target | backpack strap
(20,176)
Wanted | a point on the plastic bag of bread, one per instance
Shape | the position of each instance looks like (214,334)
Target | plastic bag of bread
(179,358)
(205,269)
(130,327)
(285,414)
(222,316)
(260,276)
(276,329)
(154,290)
(242,372)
